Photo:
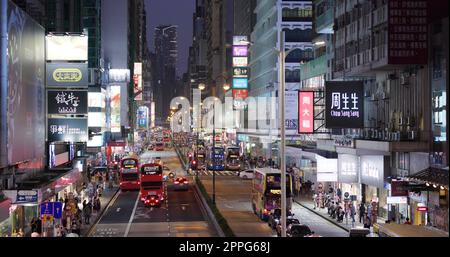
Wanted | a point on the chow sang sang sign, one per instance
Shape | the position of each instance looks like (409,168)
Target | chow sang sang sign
(344,104)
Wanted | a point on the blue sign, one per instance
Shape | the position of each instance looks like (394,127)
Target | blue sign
(27,196)
(57,210)
(240,83)
(47,209)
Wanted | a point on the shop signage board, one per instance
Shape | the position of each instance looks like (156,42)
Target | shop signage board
(67,75)
(397,200)
(137,79)
(326,170)
(119,76)
(240,40)
(344,104)
(407,31)
(22,196)
(291,110)
(374,169)
(305,112)
(399,188)
(67,130)
(240,83)
(67,48)
(73,102)
(240,61)
(115,109)
(348,168)
(240,51)
(240,94)
(240,72)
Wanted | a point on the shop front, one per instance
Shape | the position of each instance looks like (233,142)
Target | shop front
(374,192)
(348,176)
(23,206)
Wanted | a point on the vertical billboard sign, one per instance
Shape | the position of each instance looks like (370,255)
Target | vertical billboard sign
(57,46)
(115,109)
(153,114)
(25,117)
(305,112)
(344,104)
(67,130)
(64,102)
(142,117)
(137,81)
(291,118)
(67,75)
(408,30)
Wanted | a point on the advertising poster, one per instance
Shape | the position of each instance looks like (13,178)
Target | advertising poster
(291,110)
(240,51)
(25,87)
(67,75)
(240,83)
(348,168)
(373,170)
(67,48)
(137,78)
(68,130)
(305,112)
(62,102)
(327,170)
(115,109)
(240,61)
(344,104)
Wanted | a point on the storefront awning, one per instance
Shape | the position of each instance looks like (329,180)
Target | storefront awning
(432,175)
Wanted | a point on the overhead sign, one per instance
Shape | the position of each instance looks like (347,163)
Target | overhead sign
(305,112)
(67,75)
(240,72)
(344,104)
(67,102)
(67,130)
(399,188)
(240,83)
(348,168)
(240,61)
(67,48)
(327,170)
(22,196)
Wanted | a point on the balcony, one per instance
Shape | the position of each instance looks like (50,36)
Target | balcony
(325,22)
(314,68)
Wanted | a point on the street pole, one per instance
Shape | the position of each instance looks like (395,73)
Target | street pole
(214,155)
(281,93)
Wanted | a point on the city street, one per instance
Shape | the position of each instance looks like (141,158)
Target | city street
(180,215)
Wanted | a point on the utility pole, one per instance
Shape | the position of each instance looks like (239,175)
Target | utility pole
(214,155)
(281,93)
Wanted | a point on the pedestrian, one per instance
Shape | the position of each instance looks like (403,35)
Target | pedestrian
(87,211)
(315,200)
(34,225)
(366,221)
(352,213)
(362,211)
(96,204)
(407,222)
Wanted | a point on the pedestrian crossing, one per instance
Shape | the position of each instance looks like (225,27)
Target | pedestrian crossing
(218,173)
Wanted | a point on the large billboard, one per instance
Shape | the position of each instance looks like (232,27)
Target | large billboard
(67,75)
(68,130)
(142,117)
(408,30)
(374,168)
(25,87)
(344,104)
(137,79)
(74,102)
(348,168)
(115,109)
(67,48)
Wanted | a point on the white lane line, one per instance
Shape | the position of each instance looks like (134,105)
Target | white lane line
(132,217)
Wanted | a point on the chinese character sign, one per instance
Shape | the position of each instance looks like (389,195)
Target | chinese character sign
(344,104)
(306,112)
(67,130)
(67,101)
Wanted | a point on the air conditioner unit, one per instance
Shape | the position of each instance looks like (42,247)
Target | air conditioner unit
(404,80)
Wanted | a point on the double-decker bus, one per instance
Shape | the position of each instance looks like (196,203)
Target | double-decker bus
(266,191)
(152,181)
(159,146)
(129,174)
(232,158)
(216,158)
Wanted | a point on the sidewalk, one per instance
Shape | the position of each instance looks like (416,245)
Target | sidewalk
(105,199)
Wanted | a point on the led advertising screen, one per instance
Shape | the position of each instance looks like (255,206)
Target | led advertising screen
(67,48)
(96,100)
(25,99)
(306,112)
(240,83)
(67,75)
(344,104)
(137,78)
(240,61)
(67,102)
(67,130)
(119,76)
(240,51)
(115,109)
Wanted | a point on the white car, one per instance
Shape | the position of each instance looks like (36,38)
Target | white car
(247,174)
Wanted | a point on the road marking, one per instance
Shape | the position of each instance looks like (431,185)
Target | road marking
(131,218)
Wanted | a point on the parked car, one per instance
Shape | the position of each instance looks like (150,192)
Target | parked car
(299,230)
(247,174)
(289,222)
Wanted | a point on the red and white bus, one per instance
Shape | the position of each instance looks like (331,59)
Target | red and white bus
(129,174)
(152,182)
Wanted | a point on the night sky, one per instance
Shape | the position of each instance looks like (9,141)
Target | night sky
(177,12)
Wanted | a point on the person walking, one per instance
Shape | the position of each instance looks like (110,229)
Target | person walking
(362,211)
(352,214)
(87,211)
(407,222)
(366,221)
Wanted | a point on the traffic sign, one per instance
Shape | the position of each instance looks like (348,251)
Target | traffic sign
(46,209)
(57,210)
(51,209)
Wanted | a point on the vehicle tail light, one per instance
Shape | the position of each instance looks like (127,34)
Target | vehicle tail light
(139,182)
(176,182)
(185,182)
(121,183)
(157,200)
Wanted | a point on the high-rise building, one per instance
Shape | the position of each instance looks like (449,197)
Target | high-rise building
(244,17)
(166,55)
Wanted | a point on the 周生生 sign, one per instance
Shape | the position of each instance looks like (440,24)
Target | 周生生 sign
(344,104)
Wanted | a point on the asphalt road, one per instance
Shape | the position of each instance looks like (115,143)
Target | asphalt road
(180,215)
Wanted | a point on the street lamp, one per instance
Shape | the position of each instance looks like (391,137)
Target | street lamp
(201,86)
(226,87)
(282,53)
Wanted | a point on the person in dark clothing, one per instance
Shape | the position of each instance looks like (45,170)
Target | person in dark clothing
(87,211)
(362,211)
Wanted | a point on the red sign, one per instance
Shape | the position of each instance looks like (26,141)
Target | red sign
(399,188)
(408,28)
(305,112)
(422,208)
(240,94)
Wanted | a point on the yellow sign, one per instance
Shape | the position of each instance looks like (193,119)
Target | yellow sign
(275,191)
(67,75)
